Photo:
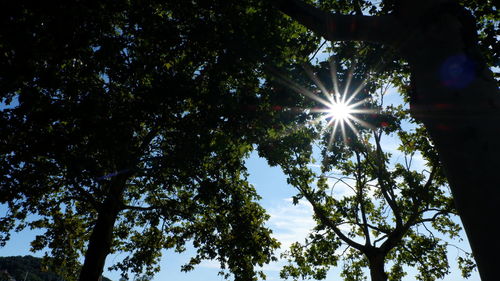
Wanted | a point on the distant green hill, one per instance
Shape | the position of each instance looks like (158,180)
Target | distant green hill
(26,268)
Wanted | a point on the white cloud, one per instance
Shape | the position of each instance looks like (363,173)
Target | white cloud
(314,166)
(340,188)
(210,264)
(291,223)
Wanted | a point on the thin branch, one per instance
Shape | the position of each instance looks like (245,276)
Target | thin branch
(380,239)
(357,8)
(360,199)
(342,181)
(428,230)
(317,50)
(458,248)
(386,190)
(345,250)
(322,214)
(433,218)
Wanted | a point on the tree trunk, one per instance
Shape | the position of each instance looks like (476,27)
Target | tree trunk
(377,272)
(458,101)
(469,149)
(466,134)
(102,236)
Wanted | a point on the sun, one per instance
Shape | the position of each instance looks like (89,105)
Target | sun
(339,110)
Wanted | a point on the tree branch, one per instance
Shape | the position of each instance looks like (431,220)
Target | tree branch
(434,217)
(379,168)
(357,8)
(336,27)
(321,214)
(359,190)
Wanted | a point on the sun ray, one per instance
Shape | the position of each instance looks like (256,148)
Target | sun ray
(332,135)
(300,89)
(342,128)
(356,92)
(333,73)
(361,122)
(348,82)
(358,103)
(316,81)
(352,126)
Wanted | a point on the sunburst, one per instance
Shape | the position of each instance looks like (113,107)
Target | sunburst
(339,110)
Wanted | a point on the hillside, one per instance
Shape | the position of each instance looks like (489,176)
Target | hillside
(26,268)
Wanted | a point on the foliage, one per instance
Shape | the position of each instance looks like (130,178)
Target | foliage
(389,208)
(383,65)
(142,110)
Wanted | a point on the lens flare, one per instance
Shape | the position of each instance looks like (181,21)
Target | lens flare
(338,110)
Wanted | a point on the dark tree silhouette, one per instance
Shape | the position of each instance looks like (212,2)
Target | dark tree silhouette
(128,125)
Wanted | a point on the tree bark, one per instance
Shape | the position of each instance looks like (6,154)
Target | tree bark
(102,234)
(377,271)
(457,99)
(468,145)
(454,95)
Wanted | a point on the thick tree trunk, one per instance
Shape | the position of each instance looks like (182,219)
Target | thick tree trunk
(465,127)
(469,148)
(459,103)
(99,245)
(102,236)
(377,271)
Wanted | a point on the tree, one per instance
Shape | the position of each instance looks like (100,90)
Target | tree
(391,207)
(447,47)
(129,125)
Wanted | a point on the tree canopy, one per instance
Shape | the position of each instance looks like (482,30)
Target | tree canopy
(392,211)
(129,126)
